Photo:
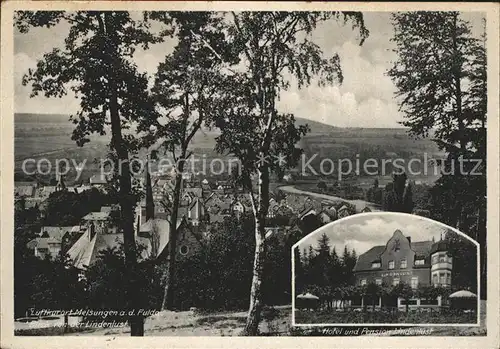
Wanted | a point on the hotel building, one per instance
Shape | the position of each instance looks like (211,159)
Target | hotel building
(403,260)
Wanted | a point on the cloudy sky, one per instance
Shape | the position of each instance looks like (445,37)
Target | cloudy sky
(365,99)
(366,231)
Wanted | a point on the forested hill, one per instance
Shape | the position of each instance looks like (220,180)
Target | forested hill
(49,135)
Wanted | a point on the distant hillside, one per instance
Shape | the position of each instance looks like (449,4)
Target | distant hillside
(315,126)
(49,136)
(41,118)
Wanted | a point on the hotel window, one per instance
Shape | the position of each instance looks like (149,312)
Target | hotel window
(363,282)
(419,262)
(403,263)
(376,265)
(442,258)
(378,281)
(391,264)
(442,278)
(448,278)
(395,281)
(435,280)
(434,259)
(414,282)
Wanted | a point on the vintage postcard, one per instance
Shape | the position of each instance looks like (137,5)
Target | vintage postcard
(207,174)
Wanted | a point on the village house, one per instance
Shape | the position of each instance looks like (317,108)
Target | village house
(44,192)
(213,199)
(326,216)
(306,212)
(86,250)
(157,232)
(25,190)
(51,241)
(272,209)
(79,188)
(100,221)
(98,180)
(343,212)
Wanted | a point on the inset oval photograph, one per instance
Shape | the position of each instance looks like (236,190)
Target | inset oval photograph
(385,268)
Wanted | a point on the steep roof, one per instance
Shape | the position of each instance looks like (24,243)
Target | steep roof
(162,228)
(306,211)
(96,216)
(196,191)
(364,262)
(331,214)
(86,250)
(422,248)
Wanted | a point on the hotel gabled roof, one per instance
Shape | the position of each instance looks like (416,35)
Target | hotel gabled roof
(364,262)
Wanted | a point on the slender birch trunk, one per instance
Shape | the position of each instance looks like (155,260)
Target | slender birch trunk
(255,309)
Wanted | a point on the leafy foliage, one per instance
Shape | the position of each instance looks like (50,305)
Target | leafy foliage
(271,44)
(96,65)
(65,208)
(82,67)
(445,90)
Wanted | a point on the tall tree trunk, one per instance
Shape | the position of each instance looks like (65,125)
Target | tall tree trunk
(169,291)
(125,198)
(254,312)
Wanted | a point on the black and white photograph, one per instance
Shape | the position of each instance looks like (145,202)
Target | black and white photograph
(388,268)
(207,170)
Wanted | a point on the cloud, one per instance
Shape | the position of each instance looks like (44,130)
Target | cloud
(365,99)
(362,233)
(22,62)
(23,103)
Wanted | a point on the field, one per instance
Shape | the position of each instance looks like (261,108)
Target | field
(49,136)
(276,322)
(382,317)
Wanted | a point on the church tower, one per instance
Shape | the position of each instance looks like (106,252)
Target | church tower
(60,186)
